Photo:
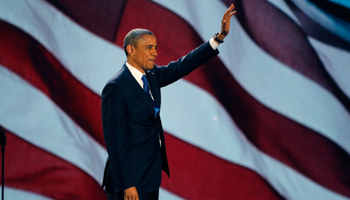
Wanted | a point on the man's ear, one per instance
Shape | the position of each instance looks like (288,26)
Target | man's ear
(130,49)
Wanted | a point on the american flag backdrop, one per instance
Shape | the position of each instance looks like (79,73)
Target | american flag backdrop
(268,118)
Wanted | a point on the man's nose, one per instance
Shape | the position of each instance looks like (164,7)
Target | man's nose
(154,53)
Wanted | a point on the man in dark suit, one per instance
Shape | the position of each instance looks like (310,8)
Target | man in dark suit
(130,113)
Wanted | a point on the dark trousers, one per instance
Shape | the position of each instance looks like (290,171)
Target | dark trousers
(142,196)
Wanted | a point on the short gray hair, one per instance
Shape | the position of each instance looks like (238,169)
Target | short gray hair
(133,36)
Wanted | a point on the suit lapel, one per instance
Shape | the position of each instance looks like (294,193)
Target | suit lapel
(135,88)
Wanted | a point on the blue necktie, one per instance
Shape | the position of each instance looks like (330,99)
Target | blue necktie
(146,89)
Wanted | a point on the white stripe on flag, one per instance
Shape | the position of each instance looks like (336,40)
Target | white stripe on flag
(336,62)
(45,125)
(164,194)
(269,81)
(11,193)
(207,125)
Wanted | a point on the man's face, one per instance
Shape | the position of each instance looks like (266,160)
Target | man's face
(145,53)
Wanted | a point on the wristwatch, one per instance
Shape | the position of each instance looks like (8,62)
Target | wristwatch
(217,39)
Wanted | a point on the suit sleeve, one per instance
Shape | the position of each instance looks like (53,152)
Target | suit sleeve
(186,64)
(115,134)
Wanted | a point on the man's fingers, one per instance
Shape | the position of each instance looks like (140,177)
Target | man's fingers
(232,13)
(230,9)
(229,12)
(130,197)
(131,194)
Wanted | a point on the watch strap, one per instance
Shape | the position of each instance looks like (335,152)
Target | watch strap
(217,39)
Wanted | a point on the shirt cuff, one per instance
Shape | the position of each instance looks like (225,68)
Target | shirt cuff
(213,44)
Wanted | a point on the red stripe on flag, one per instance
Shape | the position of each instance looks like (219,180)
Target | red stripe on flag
(292,143)
(27,58)
(197,174)
(30,168)
(98,16)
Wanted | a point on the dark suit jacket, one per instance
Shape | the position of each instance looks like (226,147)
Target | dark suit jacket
(131,128)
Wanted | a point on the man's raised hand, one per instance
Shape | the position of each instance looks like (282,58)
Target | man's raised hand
(226,22)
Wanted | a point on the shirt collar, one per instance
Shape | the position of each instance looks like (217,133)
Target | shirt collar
(135,73)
